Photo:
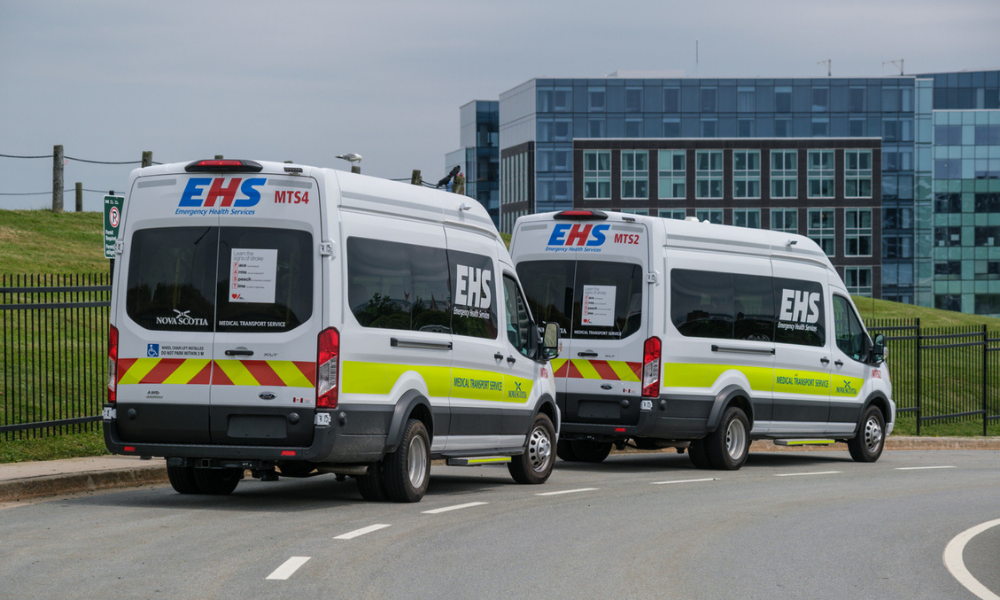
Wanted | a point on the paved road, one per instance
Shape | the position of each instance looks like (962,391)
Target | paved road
(638,526)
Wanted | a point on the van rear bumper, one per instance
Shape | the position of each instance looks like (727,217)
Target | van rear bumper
(671,418)
(355,435)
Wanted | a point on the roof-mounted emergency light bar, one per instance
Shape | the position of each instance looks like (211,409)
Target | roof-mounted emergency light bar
(579,215)
(224,166)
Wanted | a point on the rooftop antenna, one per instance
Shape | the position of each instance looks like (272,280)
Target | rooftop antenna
(897,63)
(828,62)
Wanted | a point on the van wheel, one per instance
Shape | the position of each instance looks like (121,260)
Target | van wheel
(591,452)
(728,446)
(182,480)
(535,465)
(867,445)
(696,452)
(407,471)
(218,482)
(564,450)
(371,485)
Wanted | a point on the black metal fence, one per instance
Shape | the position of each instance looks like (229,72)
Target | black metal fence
(53,360)
(53,353)
(943,374)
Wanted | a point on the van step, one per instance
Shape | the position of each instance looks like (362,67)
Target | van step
(804,442)
(477,461)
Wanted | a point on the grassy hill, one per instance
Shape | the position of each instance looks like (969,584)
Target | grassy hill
(44,242)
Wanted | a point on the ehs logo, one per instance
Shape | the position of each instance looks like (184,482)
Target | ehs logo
(221,191)
(578,234)
(472,287)
(799,306)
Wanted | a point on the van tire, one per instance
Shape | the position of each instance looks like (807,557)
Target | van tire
(182,480)
(217,482)
(696,452)
(407,471)
(868,444)
(564,450)
(728,446)
(591,452)
(535,465)
(371,484)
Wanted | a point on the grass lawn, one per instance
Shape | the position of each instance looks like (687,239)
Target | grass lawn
(44,242)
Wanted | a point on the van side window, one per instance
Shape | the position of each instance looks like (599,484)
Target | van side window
(398,286)
(171,278)
(518,324)
(722,305)
(851,338)
(801,315)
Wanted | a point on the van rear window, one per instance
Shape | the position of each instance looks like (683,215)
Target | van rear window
(588,299)
(207,279)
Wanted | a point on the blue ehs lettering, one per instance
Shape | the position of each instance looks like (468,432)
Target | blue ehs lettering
(558,234)
(252,195)
(193,191)
(598,234)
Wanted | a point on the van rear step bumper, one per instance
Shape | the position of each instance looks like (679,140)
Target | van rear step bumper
(804,442)
(477,461)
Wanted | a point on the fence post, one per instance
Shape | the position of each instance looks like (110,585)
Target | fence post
(57,178)
(986,363)
(147,158)
(415,178)
(79,196)
(920,412)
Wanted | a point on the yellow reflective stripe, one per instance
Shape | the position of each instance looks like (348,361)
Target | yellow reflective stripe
(289,373)
(236,372)
(622,370)
(557,363)
(587,370)
(138,370)
(801,382)
(187,371)
(845,387)
(484,461)
(438,379)
(475,384)
(363,378)
(471,384)
(705,376)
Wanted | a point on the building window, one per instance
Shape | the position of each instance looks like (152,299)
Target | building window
(671,127)
(783,99)
(988,202)
(858,232)
(821,99)
(785,219)
(597,99)
(635,211)
(709,100)
(746,173)
(947,236)
(708,174)
(676,213)
(987,269)
(672,172)
(711,215)
(858,173)
(951,269)
(782,127)
(597,175)
(858,280)
(709,127)
(897,247)
(671,99)
(747,217)
(987,304)
(635,175)
(821,229)
(746,99)
(988,236)
(744,128)
(633,128)
(820,174)
(949,203)
(948,302)
(784,174)
(633,99)
(856,99)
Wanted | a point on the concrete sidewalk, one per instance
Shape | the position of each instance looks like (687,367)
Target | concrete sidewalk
(29,480)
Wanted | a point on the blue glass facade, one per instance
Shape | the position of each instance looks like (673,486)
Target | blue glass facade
(905,112)
(479,156)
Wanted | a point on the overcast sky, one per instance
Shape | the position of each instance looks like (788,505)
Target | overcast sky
(308,80)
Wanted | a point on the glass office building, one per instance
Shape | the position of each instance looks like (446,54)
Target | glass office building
(479,156)
(938,174)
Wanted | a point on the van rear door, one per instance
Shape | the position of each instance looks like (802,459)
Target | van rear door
(268,315)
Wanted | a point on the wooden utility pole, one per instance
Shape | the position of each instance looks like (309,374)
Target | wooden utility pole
(57,178)
(147,158)
(79,196)
(415,178)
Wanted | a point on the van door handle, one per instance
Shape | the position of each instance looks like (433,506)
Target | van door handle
(498,356)
(825,360)
(511,360)
(586,353)
(839,363)
(239,352)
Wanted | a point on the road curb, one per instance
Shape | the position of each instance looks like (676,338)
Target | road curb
(72,483)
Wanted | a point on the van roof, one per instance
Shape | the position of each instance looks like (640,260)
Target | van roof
(364,192)
(707,236)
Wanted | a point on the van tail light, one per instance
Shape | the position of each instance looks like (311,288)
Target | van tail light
(327,366)
(112,364)
(651,368)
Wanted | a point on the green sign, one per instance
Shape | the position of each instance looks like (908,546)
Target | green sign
(112,219)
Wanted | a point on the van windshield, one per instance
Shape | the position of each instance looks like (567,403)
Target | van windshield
(588,299)
(220,279)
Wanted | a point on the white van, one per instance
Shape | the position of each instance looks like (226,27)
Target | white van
(698,336)
(291,320)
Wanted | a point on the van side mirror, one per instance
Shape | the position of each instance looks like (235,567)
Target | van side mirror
(878,349)
(550,341)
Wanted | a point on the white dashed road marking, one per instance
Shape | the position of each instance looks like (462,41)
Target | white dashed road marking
(456,507)
(956,566)
(924,468)
(360,532)
(289,568)
(801,474)
(683,481)
(567,492)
